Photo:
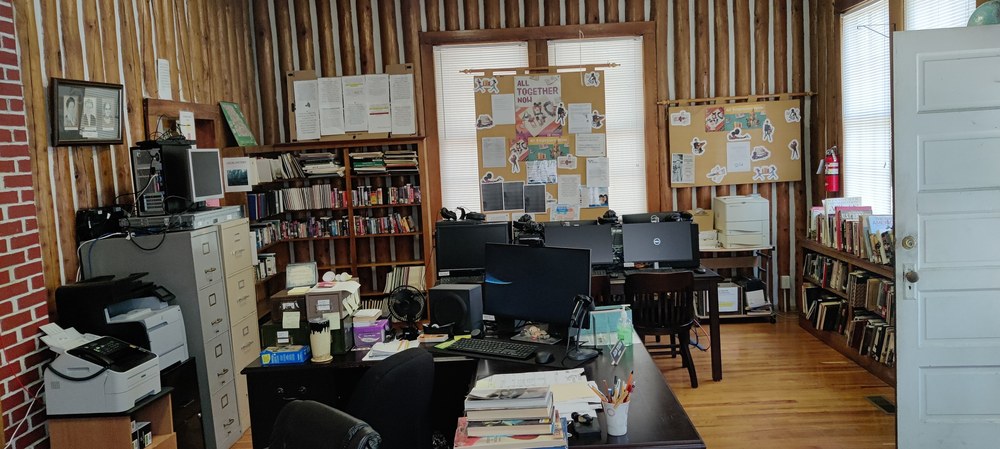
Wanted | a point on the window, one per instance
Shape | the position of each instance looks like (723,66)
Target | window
(867,154)
(624,102)
(456,114)
(929,14)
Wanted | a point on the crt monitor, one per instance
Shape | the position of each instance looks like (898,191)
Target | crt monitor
(534,283)
(673,244)
(595,237)
(461,247)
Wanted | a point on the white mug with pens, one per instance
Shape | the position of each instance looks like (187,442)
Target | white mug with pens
(615,401)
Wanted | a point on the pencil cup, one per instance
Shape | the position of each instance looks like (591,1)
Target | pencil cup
(319,339)
(616,418)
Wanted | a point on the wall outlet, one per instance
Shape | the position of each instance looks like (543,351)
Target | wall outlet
(786,282)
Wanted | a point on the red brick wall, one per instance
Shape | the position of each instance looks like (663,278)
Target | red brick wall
(22,291)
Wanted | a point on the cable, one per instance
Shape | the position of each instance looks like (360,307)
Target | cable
(27,414)
(47,366)
(163,238)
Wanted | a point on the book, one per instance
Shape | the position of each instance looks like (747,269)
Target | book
(556,439)
(504,398)
(509,413)
(515,426)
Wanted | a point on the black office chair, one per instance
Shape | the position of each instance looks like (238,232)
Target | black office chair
(663,304)
(311,425)
(394,396)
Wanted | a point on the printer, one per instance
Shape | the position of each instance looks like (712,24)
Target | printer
(93,374)
(129,309)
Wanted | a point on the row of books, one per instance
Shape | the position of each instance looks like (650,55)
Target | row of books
(320,196)
(388,161)
(400,161)
(376,196)
(516,418)
(269,231)
(266,265)
(872,293)
(368,162)
(846,225)
(826,271)
(405,275)
(393,224)
(868,331)
(290,166)
(872,336)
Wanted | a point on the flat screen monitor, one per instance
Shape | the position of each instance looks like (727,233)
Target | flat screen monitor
(461,248)
(673,244)
(535,283)
(206,174)
(192,175)
(596,238)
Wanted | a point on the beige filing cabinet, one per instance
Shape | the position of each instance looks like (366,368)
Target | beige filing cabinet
(235,240)
(190,265)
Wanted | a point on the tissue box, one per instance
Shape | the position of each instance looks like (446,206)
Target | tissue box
(367,334)
(284,355)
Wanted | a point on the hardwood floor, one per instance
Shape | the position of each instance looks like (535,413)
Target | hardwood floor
(782,389)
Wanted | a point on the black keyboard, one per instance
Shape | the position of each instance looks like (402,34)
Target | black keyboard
(652,270)
(496,348)
(461,280)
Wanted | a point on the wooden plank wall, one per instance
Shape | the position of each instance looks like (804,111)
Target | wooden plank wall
(361,36)
(209,46)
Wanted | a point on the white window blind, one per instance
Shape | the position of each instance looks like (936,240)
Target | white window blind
(624,100)
(867,154)
(456,114)
(930,14)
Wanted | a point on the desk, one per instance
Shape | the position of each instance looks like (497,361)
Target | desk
(656,418)
(707,281)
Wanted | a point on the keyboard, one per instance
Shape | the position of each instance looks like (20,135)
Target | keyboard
(461,280)
(496,348)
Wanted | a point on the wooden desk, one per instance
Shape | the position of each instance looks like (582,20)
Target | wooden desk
(707,281)
(656,418)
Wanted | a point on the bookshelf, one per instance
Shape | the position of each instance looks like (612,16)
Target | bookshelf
(829,275)
(364,222)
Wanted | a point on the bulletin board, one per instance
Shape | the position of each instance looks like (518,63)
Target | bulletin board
(542,146)
(735,143)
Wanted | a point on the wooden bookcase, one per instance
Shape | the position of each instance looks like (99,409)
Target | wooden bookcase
(114,430)
(834,339)
(369,257)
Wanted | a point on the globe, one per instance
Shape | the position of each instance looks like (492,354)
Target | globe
(987,14)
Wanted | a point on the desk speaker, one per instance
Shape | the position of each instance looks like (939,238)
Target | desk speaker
(460,305)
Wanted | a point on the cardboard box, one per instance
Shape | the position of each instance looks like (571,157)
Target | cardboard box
(367,334)
(703,218)
(729,297)
(739,208)
(284,355)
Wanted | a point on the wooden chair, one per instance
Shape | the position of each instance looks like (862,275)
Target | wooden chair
(663,304)
(600,290)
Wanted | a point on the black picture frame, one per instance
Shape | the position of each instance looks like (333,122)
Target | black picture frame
(85,112)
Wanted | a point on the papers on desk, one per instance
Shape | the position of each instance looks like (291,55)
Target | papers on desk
(570,390)
(381,350)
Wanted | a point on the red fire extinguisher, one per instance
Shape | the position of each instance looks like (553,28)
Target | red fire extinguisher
(832,170)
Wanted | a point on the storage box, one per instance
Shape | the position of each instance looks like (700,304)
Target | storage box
(703,218)
(729,297)
(337,298)
(272,334)
(367,334)
(739,208)
(282,302)
(284,355)
(708,239)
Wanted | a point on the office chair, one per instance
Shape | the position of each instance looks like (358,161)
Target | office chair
(394,397)
(600,289)
(663,304)
(311,425)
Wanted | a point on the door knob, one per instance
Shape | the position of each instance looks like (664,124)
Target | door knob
(911,276)
(909,242)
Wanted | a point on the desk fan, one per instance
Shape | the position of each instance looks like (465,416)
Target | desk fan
(406,305)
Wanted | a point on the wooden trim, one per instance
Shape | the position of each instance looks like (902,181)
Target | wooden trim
(661,17)
(304,35)
(366,36)
(653,155)
(431,188)
(433,12)
(713,100)
(547,32)
(387,30)
(512,14)
(572,12)
(471,10)
(843,6)
(543,68)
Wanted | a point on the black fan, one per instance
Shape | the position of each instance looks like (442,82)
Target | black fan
(406,305)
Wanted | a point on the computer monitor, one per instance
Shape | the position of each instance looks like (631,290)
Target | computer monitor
(461,248)
(596,238)
(191,175)
(535,283)
(673,244)
(651,217)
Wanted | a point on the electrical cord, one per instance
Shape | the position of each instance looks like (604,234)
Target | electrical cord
(47,366)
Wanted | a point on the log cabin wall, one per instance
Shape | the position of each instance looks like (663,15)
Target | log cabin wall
(704,48)
(210,48)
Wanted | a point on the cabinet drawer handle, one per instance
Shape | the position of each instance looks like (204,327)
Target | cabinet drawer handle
(210,270)
(244,298)
(247,345)
(224,372)
(217,321)
(229,423)
(238,252)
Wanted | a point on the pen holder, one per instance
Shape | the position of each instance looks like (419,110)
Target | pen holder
(616,418)
(319,339)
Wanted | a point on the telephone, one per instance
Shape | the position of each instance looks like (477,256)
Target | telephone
(107,351)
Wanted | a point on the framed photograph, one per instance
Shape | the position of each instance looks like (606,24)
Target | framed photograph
(85,113)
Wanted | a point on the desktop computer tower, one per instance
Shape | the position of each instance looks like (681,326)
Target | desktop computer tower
(460,305)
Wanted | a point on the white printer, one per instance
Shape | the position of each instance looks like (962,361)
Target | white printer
(93,374)
(163,323)
(742,221)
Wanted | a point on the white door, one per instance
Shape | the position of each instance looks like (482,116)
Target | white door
(947,182)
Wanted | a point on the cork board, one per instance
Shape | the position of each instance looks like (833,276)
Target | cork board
(735,143)
(541,145)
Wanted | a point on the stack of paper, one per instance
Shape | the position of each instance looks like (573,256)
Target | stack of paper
(381,351)
(570,390)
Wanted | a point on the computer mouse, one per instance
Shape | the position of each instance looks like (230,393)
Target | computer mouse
(543,357)
(700,270)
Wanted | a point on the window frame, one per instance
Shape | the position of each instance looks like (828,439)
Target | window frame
(537,40)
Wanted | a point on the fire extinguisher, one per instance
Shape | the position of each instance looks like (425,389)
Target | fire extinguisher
(832,170)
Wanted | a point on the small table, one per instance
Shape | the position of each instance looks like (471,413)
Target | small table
(114,430)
